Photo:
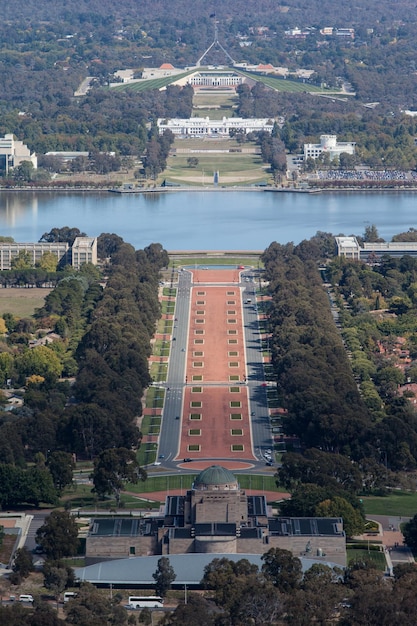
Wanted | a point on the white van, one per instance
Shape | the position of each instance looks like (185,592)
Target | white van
(25,597)
(69,595)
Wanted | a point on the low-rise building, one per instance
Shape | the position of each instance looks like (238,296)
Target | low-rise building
(329,144)
(204,126)
(13,152)
(215,79)
(83,250)
(345,32)
(35,251)
(349,248)
(66,156)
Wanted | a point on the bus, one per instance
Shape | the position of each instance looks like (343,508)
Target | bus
(140,602)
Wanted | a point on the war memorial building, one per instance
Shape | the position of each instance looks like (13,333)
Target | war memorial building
(216,517)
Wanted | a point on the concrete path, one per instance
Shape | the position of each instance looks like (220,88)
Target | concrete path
(392,538)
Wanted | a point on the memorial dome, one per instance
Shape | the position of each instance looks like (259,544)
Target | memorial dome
(215,477)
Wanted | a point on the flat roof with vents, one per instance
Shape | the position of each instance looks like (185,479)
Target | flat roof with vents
(306,526)
(122,527)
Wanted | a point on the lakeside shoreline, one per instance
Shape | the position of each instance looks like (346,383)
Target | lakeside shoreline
(211,189)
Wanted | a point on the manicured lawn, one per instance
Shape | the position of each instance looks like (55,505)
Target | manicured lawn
(161,348)
(169,291)
(234,168)
(378,558)
(158,371)
(155,83)
(162,483)
(397,503)
(146,454)
(155,397)
(234,164)
(168,307)
(82,498)
(205,143)
(213,113)
(283,84)
(151,424)
(164,326)
(220,260)
(266,483)
(213,105)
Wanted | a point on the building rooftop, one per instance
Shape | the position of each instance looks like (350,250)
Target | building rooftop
(306,526)
(189,569)
(121,527)
(347,242)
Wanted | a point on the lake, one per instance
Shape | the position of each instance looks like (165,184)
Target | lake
(204,220)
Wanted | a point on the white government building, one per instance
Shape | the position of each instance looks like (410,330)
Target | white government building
(83,250)
(204,126)
(349,248)
(329,144)
(13,152)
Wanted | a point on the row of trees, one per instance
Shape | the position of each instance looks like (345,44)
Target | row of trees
(105,340)
(113,354)
(353,437)
(314,378)
(273,152)
(156,154)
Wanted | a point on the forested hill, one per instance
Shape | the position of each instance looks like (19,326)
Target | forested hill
(295,12)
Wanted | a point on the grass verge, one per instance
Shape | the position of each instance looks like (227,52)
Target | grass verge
(22,302)
(377,558)
(399,503)
(154,398)
(158,371)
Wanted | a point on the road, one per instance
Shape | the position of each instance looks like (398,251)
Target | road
(261,431)
(171,422)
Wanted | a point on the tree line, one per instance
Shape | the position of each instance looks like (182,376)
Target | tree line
(357,434)
(104,342)
(238,593)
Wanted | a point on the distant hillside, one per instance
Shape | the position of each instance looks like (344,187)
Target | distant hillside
(298,12)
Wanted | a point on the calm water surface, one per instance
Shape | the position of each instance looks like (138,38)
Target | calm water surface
(232,220)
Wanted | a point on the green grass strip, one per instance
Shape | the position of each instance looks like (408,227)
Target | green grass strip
(158,371)
(377,558)
(153,83)
(400,503)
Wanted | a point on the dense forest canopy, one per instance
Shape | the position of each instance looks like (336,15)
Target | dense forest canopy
(295,10)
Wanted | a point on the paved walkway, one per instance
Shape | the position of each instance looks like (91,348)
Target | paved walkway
(215,421)
(392,539)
